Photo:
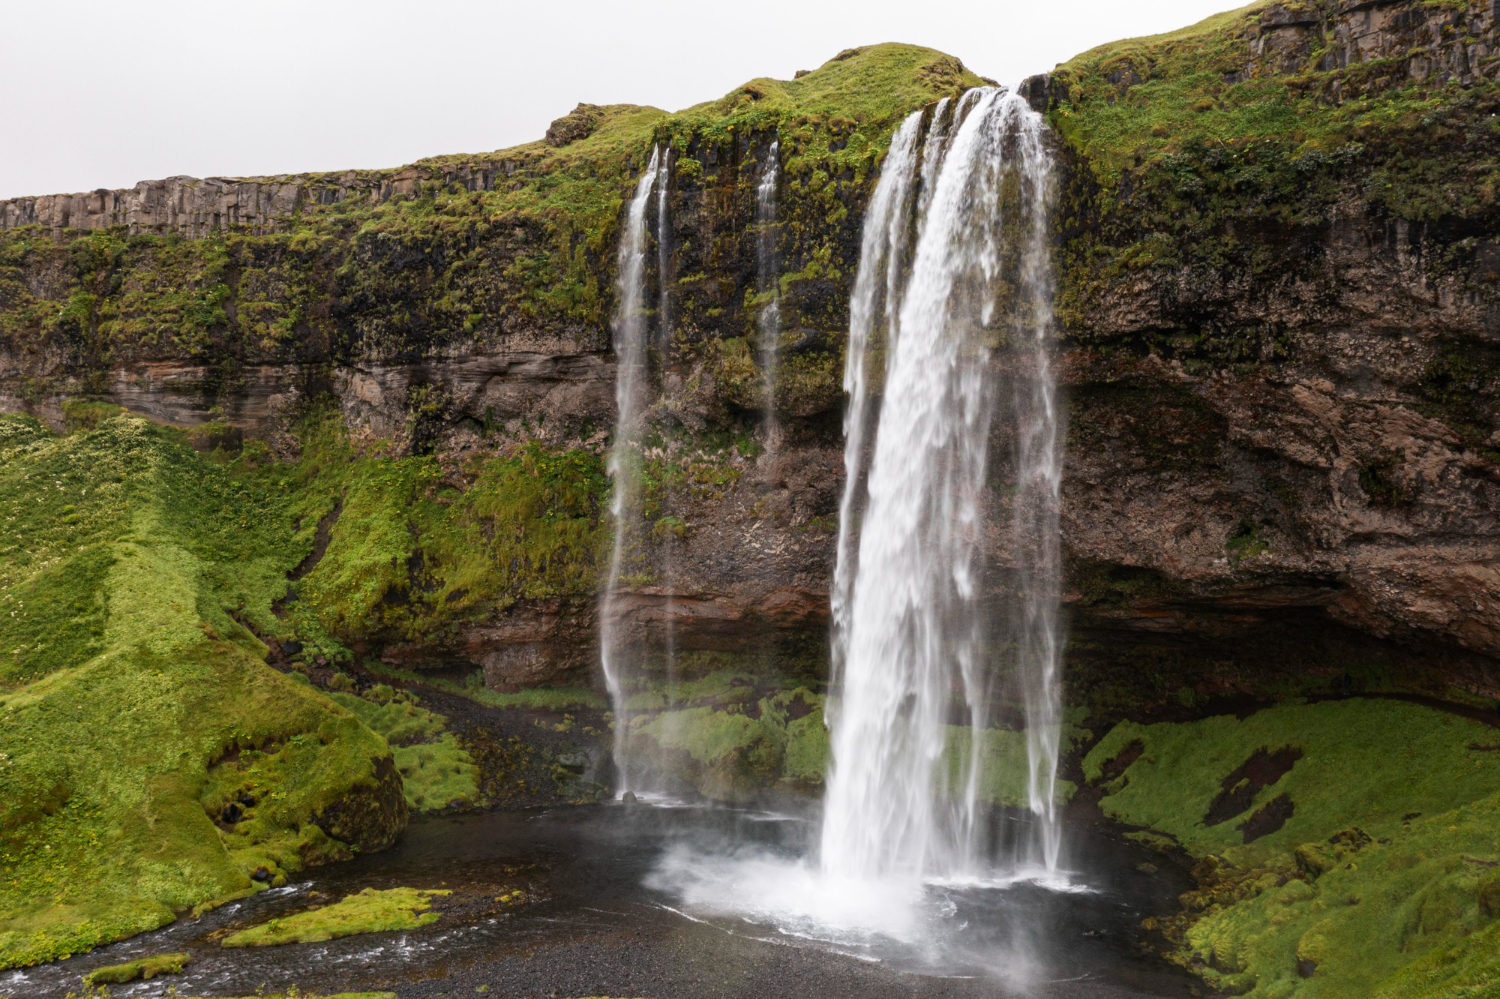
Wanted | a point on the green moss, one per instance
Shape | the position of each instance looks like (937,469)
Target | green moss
(436,772)
(742,742)
(134,706)
(1374,885)
(397,716)
(1399,916)
(438,775)
(1245,541)
(146,968)
(473,688)
(410,557)
(1003,766)
(371,911)
(294,993)
(744,739)
(1364,762)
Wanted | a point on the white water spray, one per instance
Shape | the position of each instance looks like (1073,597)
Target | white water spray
(910,636)
(629,327)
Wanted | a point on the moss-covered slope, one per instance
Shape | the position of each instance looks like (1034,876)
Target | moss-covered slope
(149,760)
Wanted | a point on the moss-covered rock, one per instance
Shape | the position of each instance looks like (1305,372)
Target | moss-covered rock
(144,968)
(436,772)
(371,911)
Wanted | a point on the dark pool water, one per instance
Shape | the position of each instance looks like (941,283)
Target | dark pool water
(671,900)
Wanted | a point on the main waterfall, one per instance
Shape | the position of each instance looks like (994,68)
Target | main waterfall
(943,706)
(954,283)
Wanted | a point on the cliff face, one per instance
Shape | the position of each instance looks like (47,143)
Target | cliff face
(1278,256)
(1281,288)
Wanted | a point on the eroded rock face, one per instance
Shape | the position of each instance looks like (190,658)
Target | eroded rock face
(198,207)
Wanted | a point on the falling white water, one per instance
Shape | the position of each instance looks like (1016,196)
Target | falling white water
(629,327)
(872,310)
(767,280)
(664,346)
(910,636)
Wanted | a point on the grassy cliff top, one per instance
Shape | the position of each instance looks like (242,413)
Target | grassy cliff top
(1270,71)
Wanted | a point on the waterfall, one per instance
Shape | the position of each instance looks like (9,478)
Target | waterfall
(954,275)
(629,328)
(664,346)
(767,280)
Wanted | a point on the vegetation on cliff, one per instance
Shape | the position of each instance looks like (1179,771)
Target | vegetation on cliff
(413,548)
(1218,158)
(430,263)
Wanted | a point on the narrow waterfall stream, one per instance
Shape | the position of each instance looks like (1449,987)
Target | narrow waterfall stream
(768,281)
(664,348)
(630,329)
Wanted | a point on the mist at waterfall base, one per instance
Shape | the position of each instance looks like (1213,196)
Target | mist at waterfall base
(909,863)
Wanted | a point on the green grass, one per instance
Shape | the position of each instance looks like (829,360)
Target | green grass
(1180,97)
(134,705)
(145,968)
(371,911)
(1379,883)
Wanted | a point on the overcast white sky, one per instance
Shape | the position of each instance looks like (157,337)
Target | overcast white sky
(103,93)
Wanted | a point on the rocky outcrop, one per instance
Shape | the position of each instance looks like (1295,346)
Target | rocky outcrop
(576,124)
(1437,42)
(371,816)
(1300,392)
